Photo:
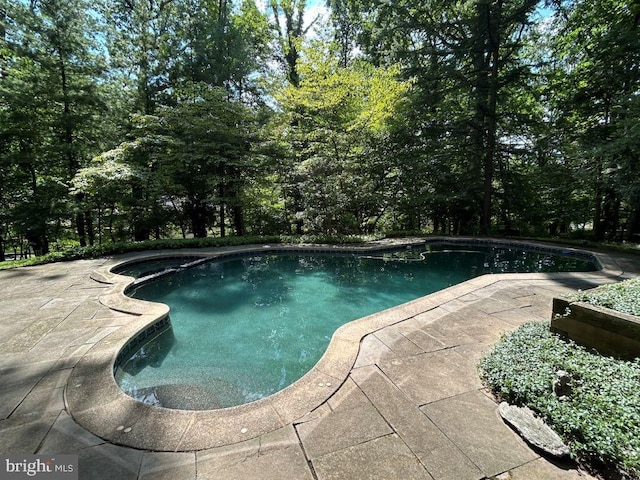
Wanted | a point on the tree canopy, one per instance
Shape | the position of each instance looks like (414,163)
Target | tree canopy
(137,119)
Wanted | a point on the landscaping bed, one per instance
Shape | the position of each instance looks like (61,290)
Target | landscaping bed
(604,318)
(598,417)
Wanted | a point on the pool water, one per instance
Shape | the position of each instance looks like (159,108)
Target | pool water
(247,327)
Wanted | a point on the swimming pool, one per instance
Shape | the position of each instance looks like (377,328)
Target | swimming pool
(243,328)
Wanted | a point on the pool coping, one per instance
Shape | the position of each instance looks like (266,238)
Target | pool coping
(95,401)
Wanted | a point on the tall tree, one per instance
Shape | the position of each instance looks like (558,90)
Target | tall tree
(199,149)
(336,124)
(222,45)
(288,18)
(462,55)
(598,47)
(50,100)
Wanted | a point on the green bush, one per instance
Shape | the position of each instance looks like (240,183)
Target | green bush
(623,297)
(600,419)
(76,252)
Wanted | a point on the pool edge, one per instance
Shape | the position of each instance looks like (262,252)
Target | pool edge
(95,401)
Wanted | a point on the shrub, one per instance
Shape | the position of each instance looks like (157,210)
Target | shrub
(623,297)
(76,252)
(600,420)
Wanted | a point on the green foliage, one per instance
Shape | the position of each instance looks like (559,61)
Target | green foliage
(50,107)
(320,239)
(452,117)
(76,252)
(600,420)
(335,132)
(623,296)
(596,108)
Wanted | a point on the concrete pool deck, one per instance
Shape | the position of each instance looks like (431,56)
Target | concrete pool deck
(404,401)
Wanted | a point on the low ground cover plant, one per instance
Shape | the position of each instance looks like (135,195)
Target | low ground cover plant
(623,297)
(75,252)
(600,418)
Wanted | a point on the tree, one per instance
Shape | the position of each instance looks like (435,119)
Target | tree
(193,157)
(598,79)
(336,123)
(221,46)
(462,55)
(288,17)
(50,102)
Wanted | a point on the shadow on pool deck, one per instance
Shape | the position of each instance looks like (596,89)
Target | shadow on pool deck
(410,405)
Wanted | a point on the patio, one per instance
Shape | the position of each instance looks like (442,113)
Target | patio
(411,406)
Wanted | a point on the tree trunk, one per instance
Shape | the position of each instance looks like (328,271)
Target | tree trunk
(238,220)
(80,228)
(223,231)
(495,19)
(633,225)
(196,211)
(88,220)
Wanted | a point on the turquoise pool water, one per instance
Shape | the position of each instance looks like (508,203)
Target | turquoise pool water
(245,328)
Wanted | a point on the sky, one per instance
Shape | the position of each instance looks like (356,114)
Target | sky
(313,9)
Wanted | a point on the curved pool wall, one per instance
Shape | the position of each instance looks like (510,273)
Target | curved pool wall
(245,327)
(96,402)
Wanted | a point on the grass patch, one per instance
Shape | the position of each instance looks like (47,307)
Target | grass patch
(623,297)
(599,421)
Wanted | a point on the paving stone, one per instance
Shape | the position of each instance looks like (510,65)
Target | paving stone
(304,395)
(247,460)
(168,466)
(393,338)
(347,397)
(11,397)
(426,342)
(24,435)
(342,429)
(541,469)
(31,335)
(472,422)
(71,356)
(57,342)
(383,458)
(109,462)
(441,457)
(283,437)
(15,372)
(40,400)
(449,331)
(430,316)
(231,426)
(55,378)
(84,311)
(67,436)
(492,305)
(432,376)
(372,350)
(519,316)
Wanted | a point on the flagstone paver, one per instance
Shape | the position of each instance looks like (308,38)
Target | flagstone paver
(411,405)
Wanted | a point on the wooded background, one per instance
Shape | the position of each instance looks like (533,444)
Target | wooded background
(135,119)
